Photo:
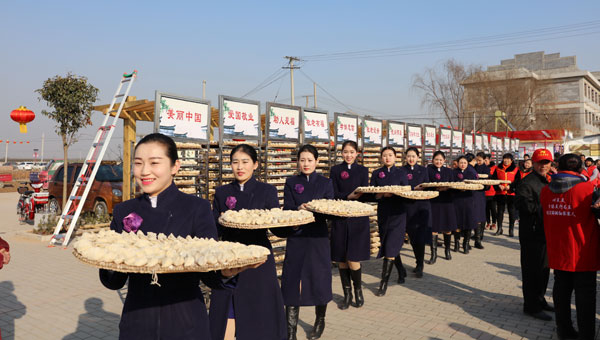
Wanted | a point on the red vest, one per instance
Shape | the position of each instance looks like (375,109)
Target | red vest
(504,175)
(571,229)
(491,191)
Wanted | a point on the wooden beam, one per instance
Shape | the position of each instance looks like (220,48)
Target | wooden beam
(129,130)
(128,104)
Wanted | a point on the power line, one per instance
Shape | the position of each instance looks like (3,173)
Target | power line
(549,33)
(268,81)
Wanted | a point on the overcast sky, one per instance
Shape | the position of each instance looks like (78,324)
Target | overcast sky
(235,45)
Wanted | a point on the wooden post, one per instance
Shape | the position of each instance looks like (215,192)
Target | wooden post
(129,127)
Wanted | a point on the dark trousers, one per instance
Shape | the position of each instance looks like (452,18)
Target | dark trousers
(506,201)
(535,274)
(490,209)
(584,285)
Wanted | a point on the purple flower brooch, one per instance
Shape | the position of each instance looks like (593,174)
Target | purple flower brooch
(132,222)
(230,202)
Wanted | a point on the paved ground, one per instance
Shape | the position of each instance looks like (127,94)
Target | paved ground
(46,294)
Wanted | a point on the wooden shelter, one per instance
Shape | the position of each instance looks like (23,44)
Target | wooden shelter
(133,111)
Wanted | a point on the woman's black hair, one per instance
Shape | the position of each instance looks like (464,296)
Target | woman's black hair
(163,140)
(470,157)
(462,157)
(488,156)
(508,155)
(481,154)
(308,148)
(351,143)
(388,148)
(412,148)
(589,159)
(570,162)
(439,153)
(247,149)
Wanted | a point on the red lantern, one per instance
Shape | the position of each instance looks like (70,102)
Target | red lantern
(22,115)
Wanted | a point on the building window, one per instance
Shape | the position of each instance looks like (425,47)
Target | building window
(586,117)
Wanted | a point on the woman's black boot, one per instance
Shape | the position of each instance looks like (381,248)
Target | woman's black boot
(386,271)
(434,247)
(319,326)
(357,281)
(400,268)
(447,241)
(291,314)
(347,287)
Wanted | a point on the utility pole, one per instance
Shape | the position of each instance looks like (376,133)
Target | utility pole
(6,153)
(315,93)
(203,89)
(307,96)
(291,68)
(42,148)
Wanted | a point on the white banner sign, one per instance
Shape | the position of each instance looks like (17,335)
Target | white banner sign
(372,131)
(486,142)
(457,139)
(445,138)
(415,135)
(430,136)
(478,142)
(396,134)
(240,119)
(347,129)
(506,144)
(284,123)
(516,145)
(469,142)
(315,125)
(183,118)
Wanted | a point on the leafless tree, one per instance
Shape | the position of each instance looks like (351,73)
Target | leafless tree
(443,91)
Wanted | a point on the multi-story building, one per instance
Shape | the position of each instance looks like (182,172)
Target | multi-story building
(571,96)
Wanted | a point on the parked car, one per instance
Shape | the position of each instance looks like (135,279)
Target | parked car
(24,165)
(48,171)
(105,193)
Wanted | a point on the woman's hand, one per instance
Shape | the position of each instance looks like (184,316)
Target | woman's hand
(302,206)
(354,195)
(5,256)
(443,188)
(418,187)
(234,271)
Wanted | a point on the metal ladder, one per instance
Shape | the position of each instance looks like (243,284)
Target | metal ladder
(86,176)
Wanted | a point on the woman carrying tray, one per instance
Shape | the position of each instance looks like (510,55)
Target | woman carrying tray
(254,309)
(480,199)
(443,216)
(350,237)
(391,216)
(175,309)
(418,212)
(505,193)
(464,203)
(306,278)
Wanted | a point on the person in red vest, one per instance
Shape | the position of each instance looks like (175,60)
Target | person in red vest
(490,202)
(527,168)
(591,170)
(534,258)
(573,243)
(505,193)
(4,257)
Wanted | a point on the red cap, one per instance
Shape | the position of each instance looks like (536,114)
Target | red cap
(541,155)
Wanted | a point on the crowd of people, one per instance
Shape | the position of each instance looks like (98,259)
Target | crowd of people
(250,303)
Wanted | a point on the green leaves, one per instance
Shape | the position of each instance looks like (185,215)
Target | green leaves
(71,99)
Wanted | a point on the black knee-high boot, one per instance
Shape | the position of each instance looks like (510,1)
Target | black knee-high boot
(479,236)
(400,268)
(386,271)
(291,313)
(481,231)
(434,247)
(447,241)
(319,326)
(466,240)
(357,281)
(347,287)
(456,241)
(419,251)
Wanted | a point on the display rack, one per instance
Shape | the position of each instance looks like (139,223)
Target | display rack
(239,123)
(457,144)
(186,120)
(214,168)
(315,131)
(396,138)
(414,138)
(430,143)
(372,139)
(345,128)
(445,143)
(281,144)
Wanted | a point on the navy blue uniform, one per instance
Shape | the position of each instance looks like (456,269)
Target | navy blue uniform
(418,212)
(479,195)
(350,237)
(306,278)
(391,214)
(443,216)
(464,202)
(175,309)
(257,300)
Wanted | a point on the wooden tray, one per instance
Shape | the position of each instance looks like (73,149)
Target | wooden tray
(170,270)
(419,195)
(486,181)
(391,189)
(468,186)
(362,213)
(264,226)
(437,185)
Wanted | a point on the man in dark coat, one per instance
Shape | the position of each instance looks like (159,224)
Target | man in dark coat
(534,258)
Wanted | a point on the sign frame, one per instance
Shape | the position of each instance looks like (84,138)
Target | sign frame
(303,126)
(159,95)
(407,134)
(271,105)
(441,130)
(335,126)
(363,124)
(223,135)
(403,129)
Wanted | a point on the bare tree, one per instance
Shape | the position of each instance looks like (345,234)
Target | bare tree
(443,91)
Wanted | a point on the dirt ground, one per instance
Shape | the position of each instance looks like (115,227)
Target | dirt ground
(18,176)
